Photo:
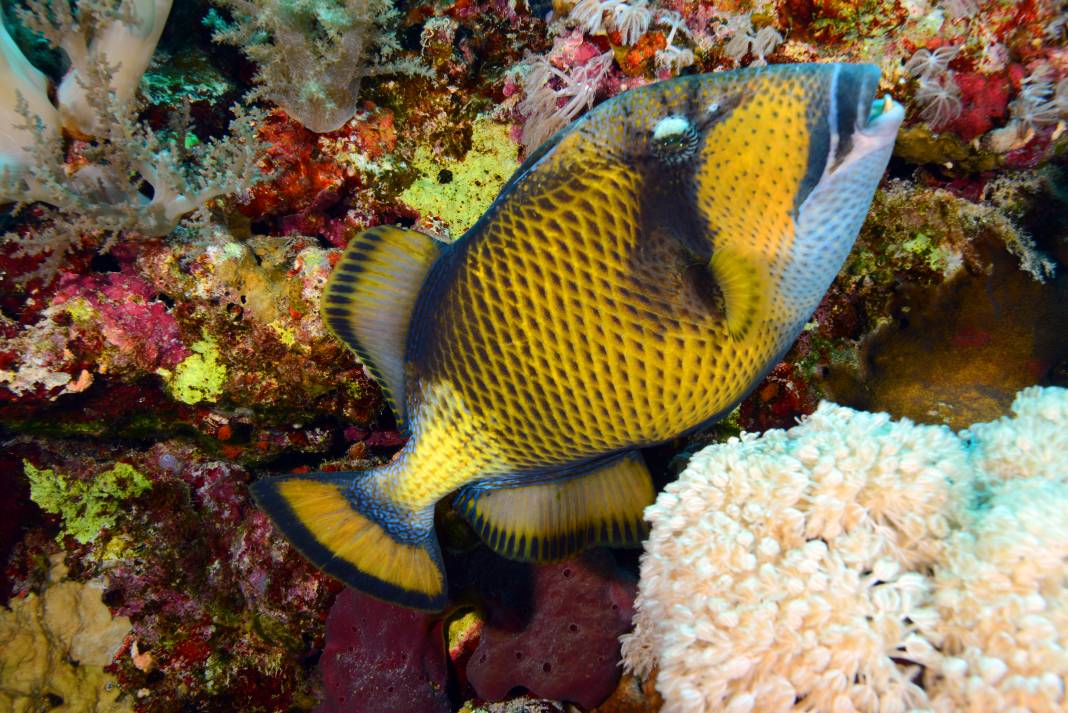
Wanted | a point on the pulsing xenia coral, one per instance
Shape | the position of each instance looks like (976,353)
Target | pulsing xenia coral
(312,54)
(553,97)
(856,563)
(1039,102)
(744,40)
(124,160)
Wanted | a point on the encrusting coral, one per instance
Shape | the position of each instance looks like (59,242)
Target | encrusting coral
(54,647)
(858,563)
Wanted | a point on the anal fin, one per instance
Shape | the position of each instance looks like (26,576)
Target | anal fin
(556,519)
(369,298)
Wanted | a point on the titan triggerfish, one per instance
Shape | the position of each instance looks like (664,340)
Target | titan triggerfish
(633,281)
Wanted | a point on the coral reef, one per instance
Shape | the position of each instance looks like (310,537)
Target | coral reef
(218,609)
(160,343)
(854,562)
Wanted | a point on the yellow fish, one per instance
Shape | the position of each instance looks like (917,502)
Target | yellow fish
(635,278)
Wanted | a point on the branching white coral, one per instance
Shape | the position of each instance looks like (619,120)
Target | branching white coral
(121,34)
(136,182)
(20,79)
(312,54)
(856,563)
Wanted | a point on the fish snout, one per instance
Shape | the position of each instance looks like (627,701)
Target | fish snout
(863,123)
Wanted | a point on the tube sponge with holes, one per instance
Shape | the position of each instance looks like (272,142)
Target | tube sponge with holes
(860,563)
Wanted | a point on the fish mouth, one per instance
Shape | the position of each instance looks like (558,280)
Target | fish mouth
(883,118)
(861,123)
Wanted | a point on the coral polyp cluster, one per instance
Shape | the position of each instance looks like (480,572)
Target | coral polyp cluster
(858,563)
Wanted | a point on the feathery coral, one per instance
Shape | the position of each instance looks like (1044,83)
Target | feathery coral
(857,563)
(553,98)
(126,159)
(312,54)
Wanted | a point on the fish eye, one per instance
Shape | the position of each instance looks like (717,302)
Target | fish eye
(673,139)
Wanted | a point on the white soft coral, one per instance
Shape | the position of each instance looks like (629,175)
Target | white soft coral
(857,563)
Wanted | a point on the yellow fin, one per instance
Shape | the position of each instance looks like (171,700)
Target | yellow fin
(743,280)
(369,298)
(368,548)
(554,520)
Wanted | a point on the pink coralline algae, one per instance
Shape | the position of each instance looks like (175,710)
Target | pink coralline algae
(382,658)
(139,327)
(566,647)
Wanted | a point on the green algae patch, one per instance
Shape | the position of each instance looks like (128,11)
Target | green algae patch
(459,192)
(85,508)
(200,376)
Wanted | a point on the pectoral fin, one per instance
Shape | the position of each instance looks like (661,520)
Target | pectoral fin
(742,278)
(553,520)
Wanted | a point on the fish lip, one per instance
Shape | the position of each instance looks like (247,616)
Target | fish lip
(883,117)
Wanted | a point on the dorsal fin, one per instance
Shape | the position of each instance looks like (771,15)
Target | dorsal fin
(743,280)
(558,518)
(369,298)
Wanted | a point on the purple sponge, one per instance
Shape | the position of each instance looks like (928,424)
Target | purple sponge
(567,649)
(382,658)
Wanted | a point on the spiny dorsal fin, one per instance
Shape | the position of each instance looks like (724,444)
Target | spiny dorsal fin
(369,298)
(554,520)
(742,279)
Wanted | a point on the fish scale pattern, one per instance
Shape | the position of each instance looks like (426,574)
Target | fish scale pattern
(576,321)
(567,313)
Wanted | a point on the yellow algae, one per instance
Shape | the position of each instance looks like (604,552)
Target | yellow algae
(80,310)
(459,192)
(285,334)
(200,376)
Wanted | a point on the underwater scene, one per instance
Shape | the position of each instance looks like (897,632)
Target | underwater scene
(533,356)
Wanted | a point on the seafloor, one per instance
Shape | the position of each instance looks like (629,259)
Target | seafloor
(158,354)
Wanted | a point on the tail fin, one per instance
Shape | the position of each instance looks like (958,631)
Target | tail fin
(336,521)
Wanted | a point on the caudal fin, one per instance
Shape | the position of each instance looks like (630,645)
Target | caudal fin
(368,544)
